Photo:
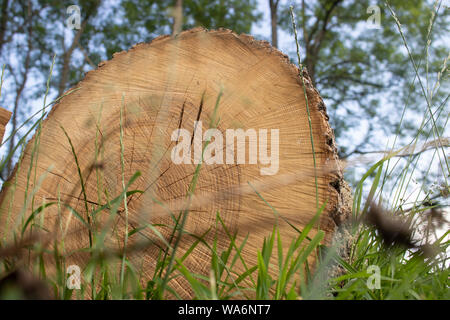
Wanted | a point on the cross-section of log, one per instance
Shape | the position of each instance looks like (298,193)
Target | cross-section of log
(153,110)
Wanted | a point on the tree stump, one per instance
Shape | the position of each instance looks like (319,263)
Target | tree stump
(124,117)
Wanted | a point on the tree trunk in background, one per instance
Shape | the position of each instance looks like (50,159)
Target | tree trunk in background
(314,40)
(274,21)
(65,69)
(21,86)
(125,118)
(3,22)
(177,17)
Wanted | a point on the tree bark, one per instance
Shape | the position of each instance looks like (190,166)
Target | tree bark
(125,117)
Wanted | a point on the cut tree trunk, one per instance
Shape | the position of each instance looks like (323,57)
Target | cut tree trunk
(147,94)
